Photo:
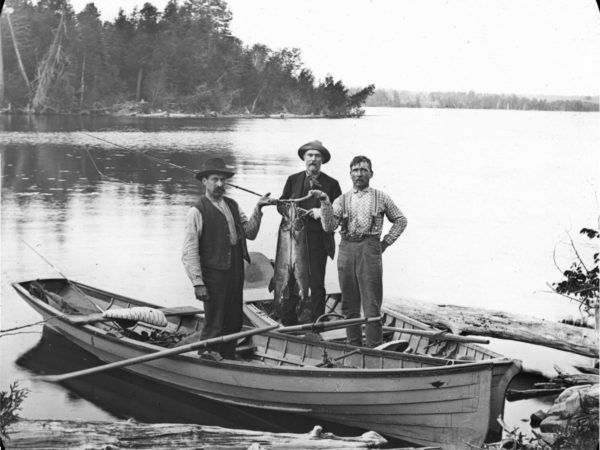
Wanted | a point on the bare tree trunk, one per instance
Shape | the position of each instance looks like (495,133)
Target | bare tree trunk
(50,70)
(256,99)
(82,83)
(12,34)
(1,71)
(138,88)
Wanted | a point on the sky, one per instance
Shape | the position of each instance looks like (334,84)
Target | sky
(499,46)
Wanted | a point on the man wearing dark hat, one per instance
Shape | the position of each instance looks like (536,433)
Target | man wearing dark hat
(321,244)
(213,252)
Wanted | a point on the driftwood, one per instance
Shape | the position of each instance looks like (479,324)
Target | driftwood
(554,386)
(60,434)
(514,394)
(498,324)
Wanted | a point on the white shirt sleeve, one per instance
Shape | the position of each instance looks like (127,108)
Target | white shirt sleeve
(191,246)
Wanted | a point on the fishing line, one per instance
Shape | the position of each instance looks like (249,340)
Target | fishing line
(2,332)
(94,164)
(162,161)
(73,285)
(152,158)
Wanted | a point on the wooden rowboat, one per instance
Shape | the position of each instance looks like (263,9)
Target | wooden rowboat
(398,337)
(419,399)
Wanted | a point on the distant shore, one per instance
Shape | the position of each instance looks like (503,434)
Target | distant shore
(215,115)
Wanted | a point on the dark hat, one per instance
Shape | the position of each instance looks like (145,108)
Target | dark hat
(314,145)
(214,165)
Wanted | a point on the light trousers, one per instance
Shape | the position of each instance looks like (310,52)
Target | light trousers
(360,276)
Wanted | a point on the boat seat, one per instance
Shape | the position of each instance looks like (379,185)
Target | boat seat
(181,311)
(245,351)
(399,346)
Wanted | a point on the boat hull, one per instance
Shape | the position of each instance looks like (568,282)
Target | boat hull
(503,371)
(414,399)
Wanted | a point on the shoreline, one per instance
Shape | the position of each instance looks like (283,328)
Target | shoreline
(216,115)
(180,115)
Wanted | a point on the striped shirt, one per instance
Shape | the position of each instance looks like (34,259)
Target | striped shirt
(361,213)
(193,231)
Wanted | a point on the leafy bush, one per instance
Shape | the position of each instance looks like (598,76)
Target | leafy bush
(10,403)
(580,281)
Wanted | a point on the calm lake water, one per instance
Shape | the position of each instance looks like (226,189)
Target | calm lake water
(490,198)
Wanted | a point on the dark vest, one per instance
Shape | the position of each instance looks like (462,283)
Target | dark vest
(215,242)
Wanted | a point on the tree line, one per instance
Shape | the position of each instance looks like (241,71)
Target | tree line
(474,100)
(183,58)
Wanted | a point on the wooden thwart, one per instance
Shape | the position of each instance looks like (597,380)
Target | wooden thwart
(333,325)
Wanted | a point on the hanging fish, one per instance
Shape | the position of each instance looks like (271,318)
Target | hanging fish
(291,279)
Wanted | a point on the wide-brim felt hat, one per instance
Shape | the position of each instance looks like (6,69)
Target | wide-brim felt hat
(214,165)
(314,145)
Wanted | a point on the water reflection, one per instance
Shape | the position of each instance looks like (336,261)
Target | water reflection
(125,395)
(55,171)
(43,124)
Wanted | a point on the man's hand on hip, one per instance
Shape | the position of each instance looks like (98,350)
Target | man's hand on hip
(201,293)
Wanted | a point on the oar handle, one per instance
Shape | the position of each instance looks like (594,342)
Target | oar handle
(438,335)
(157,355)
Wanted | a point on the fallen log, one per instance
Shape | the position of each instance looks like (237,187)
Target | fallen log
(554,386)
(60,434)
(514,394)
(566,380)
(464,320)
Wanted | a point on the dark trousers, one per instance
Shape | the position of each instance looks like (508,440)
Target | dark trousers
(223,311)
(317,262)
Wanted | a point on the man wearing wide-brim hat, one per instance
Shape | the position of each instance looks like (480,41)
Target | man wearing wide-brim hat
(321,244)
(214,250)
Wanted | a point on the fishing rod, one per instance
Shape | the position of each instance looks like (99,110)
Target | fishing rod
(73,285)
(162,161)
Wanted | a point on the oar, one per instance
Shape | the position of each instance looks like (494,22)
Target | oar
(439,335)
(333,325)
(157,355)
